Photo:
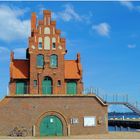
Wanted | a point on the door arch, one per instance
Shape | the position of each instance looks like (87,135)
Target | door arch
(47,85)
(51,125)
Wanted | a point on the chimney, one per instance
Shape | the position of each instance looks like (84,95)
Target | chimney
(78,57)
(33,21)
(12,56)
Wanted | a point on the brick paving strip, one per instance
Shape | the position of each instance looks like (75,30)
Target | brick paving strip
(111,135)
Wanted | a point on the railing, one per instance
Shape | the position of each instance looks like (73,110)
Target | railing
(109,97)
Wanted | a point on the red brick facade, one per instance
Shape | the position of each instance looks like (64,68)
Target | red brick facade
(27,70)
(79,114)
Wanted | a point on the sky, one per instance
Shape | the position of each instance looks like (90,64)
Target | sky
(107,35)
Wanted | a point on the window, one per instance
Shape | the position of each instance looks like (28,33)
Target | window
(53,46)
(40,60)
(54,61)
(53,43)
(40,45)
(35,83)
(59,83)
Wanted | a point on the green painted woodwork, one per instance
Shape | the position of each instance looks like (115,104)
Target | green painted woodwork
(51,126)
(54,61)
(40,60)
(71,87)
(21,87)
(47,86)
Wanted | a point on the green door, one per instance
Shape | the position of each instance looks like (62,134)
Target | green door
(71,87)
(51,126)
(21,87)
(47,86)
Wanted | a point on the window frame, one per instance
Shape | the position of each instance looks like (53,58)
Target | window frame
(53,45)
(35,83)
(59,83)
(42,61)
(40,48)
(54,61)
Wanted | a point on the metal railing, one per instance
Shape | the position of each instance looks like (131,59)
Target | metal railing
(112,97)
(106,97)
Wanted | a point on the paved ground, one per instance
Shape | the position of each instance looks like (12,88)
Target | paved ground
(111,135)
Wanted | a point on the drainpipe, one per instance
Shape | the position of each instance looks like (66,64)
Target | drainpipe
(33,131)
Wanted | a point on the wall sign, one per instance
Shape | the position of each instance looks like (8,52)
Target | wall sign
(89,121)
(74,120)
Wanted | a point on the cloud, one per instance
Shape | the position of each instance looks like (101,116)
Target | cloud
(131,46)
(20,53)
(5,53)
(69,14)
(102,29)
(11,26)
(130,5)
(127,4)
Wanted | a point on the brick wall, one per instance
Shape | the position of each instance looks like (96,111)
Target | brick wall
(28,111)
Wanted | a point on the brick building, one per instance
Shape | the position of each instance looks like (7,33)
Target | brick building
(45,71)
(46,90)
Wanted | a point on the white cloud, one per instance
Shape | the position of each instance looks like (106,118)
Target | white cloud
(131,46)
(20,53)
(11,26)
(130,5)
(4,53)
(102,29)
(69,13)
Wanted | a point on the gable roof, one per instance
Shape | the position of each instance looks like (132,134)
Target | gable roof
(72,70)
(19,69)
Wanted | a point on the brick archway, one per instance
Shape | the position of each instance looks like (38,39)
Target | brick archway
(55,113)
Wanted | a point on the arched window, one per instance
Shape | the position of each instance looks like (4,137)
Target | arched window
(40,60)
(40,43)
(54,61)
(53,43)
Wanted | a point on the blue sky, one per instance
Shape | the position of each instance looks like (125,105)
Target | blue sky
(107,34)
